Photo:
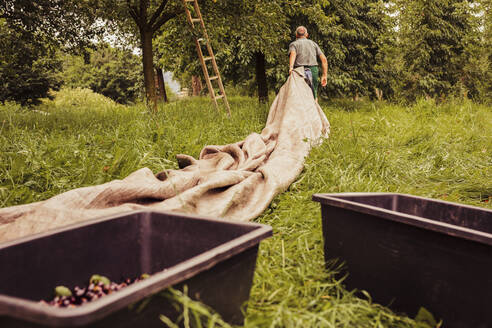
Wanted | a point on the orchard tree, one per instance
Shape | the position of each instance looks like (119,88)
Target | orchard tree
(175,50)
(144,19)
(27,67)
(486,50)
(74,23)
(351,33)
(388,62)
(259,36)
(248,38)
(31,32)
(434,36)
(471,61)
(66,23)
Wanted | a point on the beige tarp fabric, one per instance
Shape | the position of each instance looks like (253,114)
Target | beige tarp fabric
(236,181)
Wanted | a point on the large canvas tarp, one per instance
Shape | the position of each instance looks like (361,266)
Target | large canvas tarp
(236,181)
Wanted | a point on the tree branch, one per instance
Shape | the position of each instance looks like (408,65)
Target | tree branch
(143,12)
(166,17)
(133,12)
(158,12)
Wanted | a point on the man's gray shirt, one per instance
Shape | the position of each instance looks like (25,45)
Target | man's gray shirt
(307,52)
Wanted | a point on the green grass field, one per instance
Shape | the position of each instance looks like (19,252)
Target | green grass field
(440,151)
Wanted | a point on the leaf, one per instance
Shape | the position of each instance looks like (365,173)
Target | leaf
(425,319)
(62,291)
(95,279)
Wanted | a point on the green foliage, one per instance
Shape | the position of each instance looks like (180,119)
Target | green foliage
(119,15)
(425,319)
(176,51)
(30,34)
(440,151)
(437,37)
(28,67)
(351,33)
(112,72)
(141,19)
(67,23)
(259,26)
(485,52)
(406,49)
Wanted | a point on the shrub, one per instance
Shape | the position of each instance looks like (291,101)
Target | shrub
(114,73)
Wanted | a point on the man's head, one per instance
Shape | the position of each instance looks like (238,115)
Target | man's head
(301,32)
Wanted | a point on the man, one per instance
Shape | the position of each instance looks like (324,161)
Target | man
(304,52)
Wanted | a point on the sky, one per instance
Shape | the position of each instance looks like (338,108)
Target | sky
(174,85)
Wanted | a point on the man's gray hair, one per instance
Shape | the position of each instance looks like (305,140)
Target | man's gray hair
(301,31)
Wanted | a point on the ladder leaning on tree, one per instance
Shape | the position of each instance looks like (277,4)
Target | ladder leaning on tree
(203,37)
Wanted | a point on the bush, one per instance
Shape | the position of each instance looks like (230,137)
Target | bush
(78,99)
(114,73)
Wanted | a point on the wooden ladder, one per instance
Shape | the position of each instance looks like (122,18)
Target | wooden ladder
(203,38)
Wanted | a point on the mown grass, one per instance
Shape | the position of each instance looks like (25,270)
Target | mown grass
(441,151)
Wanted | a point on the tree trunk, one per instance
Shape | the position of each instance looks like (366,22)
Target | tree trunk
(148,68)
(379,93)
(196,85)
(261,77)
(161,86)
(164,92)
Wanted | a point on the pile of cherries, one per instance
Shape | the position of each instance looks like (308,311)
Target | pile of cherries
(99,286)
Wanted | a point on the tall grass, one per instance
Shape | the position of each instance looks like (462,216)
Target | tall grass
(442,151)
(71,142)
(428,150)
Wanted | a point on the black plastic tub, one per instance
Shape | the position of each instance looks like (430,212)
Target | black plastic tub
(410,251)
(216,259)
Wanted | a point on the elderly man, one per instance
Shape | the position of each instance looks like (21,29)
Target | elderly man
(304,52)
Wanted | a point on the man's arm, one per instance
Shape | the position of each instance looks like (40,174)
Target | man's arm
(292,60)
(324,65)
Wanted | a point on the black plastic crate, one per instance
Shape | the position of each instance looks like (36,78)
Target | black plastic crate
(410,251)
(214,258)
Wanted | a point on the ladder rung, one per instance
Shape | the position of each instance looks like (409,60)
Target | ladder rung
(207,58)
(196,20)
(190,0)
(220,96)
(214,78)
(201,39)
